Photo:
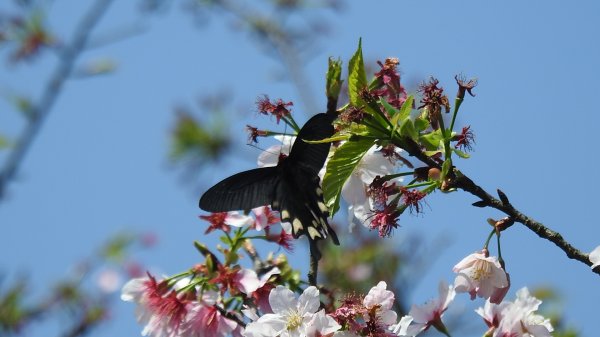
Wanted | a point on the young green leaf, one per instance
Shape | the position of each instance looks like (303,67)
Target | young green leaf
(340,167)
(333,77)
(432,140)
(408,129)
(461,154)
(357,78)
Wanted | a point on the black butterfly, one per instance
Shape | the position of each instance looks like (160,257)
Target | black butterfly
(292,187)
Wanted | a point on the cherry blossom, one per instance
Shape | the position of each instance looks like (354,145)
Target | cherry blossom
(420,318)
(205,320)
(481,275)
(380,300)
(224,220)
(162,313)
(270,157)
(290,317)
(322,325)
(264,217)
(516,319)
(595,257)
(354,191)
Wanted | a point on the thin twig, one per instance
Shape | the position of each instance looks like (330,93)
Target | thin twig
(466,184)
(40,111)
(231,316)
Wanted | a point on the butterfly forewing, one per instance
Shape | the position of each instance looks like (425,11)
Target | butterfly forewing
(312,156)
(242,191)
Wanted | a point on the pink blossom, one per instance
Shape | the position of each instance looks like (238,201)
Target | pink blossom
(516,319)
(246,281)
(381,301)
(481,275)
(205,320)
(322,325)
(265,217)
(420,318)
(261,295)
(161,312)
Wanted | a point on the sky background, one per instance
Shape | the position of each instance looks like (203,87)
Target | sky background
(100,163)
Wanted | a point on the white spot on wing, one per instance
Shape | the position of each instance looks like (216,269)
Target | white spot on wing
(296,225)
(313,233)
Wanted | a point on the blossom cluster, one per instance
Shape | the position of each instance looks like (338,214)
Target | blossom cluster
(188,306)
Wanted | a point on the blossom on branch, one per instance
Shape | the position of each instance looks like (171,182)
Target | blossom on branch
(223,221)
(356,189)
(481,275)
(290,317)
(595,257)
(279,108)
(421,318)
(515,319)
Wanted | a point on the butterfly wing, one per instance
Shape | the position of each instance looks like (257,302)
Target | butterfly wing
(312,156)
(299,199)
(242,191)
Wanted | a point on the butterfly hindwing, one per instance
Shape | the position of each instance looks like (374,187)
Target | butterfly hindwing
(299,199)
(242,191)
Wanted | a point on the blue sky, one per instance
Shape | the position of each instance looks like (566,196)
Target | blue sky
(100,163)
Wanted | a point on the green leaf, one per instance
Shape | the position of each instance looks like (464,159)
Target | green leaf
(388,107)
(357,78)
(432,140)
(461,154)
(328,140)
(408,129)
(405,110)
(421,124)
(333,77)
(340,167)
(446,168)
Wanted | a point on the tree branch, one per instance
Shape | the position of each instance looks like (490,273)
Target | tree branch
(463,182)
(40,111)
(466,184)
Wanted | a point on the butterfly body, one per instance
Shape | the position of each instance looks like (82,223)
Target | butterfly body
(292,187)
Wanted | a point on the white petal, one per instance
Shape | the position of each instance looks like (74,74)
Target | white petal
(354,190)
(266,326)
(309,301)
(388,317)
(133,289)
(247,281)
(282,300)
(238,220)
(595,257)
(270,156)
(265,278)
(467,262)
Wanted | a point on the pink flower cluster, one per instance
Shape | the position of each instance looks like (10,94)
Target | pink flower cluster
(183,310)
(371,316)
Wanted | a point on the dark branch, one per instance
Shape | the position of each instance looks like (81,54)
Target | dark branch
(52,90)
(465,183)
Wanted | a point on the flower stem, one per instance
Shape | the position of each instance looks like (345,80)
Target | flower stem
(457,102)
(487,242)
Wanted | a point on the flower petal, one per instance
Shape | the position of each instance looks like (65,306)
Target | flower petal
(309,301)
(282,300)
